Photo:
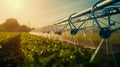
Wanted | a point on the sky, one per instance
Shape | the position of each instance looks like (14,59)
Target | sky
(39,13)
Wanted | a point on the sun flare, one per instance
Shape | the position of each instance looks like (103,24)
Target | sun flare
(14,4)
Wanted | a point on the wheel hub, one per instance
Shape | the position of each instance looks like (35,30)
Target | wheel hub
(74,31)
(105,33)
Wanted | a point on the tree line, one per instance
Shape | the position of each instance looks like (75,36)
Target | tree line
(12,25)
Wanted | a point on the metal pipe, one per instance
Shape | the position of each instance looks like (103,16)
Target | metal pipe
(87,11)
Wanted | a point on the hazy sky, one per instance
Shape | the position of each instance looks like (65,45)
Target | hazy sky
(40,12)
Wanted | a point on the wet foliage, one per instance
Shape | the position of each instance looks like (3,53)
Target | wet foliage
(26,50)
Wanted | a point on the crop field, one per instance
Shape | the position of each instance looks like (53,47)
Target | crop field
(86,40)
(60,33)
(27,50)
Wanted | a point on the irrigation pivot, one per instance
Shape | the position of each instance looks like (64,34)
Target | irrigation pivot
(104,10)
(87,11)
(91,15)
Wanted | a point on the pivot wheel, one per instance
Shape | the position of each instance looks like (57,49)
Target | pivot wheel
(105,33)
(74,31)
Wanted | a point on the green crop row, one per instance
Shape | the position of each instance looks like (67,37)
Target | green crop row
(44,52)
(10,53)
(26,50)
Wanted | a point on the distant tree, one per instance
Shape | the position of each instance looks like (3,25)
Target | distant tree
(24,28)
(33,29)
(1,28)
(11,25)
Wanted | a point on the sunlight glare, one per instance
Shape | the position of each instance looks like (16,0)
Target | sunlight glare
(14,4)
